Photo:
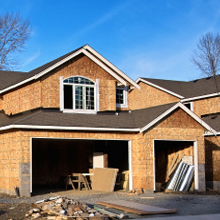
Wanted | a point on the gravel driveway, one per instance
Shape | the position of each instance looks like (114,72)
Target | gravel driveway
(186,204)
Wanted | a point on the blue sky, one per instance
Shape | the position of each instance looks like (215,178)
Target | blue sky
(143,38)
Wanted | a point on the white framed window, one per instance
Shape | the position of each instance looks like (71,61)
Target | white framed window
(79,94)
(121,97)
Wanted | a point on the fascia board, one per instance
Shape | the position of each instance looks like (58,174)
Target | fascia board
(82,50)
(197,118)
(120,79)
(37,127)
(208,134)
(112,66)
(200,97)
(184,108)
(16,85)
(159,87)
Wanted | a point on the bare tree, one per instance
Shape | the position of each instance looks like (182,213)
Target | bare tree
(207,55)
(13,34)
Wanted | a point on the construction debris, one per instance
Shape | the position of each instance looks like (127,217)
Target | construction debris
(133,192)
(137,208)
(64,208)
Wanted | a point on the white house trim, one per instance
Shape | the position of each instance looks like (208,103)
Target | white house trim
(184,108)
(13,126)
(159,87)
(90,49)
(200,97)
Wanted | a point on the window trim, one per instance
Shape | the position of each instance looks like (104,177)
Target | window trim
(125,94)
(95,86)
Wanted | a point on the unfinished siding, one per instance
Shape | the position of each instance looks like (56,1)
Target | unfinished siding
(1,102)
(178,126)
(46,91)
(212,166)
(22,99)
(79,66)
(148,96)
(206,106)
(12,152)
(15,148)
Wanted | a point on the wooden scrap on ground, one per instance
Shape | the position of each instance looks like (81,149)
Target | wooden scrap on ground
(104,179)
(137,208)
(63,208)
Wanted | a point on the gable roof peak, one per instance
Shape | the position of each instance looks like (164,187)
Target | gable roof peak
(87,51)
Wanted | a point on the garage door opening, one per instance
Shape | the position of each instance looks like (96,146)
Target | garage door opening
(54,159)
(167,155)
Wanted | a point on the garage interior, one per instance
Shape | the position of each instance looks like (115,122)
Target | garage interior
(54,159)
(167,156)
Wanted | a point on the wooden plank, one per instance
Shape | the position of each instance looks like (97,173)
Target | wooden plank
(137,208)
(177,162)
(104,179)
(173,162)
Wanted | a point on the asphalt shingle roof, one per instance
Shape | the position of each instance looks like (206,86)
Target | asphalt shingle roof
(190,89)
(213,120)
(124,120)
(9,78)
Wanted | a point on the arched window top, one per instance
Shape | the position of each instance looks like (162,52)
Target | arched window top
(78,80)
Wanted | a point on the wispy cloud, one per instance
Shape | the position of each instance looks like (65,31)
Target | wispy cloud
(30,59)
(103,19)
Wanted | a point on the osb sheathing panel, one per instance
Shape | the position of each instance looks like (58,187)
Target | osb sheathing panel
(12,152)
(142,147)
(178,126)
(1,102)
(148,96)
(80,66)
(46,91)
(212,158)
(206,106)
(22,99)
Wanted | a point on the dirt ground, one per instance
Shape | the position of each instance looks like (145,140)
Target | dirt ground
(15,208)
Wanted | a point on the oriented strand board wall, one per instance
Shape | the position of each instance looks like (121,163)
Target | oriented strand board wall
(81,66)
(46,92)
(207,106)
(12,152)
(212,158)
(15,148)
(1,102)
(179,126)
(148,96)
(23,99)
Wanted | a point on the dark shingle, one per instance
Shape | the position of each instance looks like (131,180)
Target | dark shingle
(213,120)
(124,120)
(190,89)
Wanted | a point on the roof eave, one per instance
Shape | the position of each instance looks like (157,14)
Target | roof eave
(41,127)
(128,79)
(184,108)
(200,97)
(159,87)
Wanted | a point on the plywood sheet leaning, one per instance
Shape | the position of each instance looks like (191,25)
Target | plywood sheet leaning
(137,208)
(104,179)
